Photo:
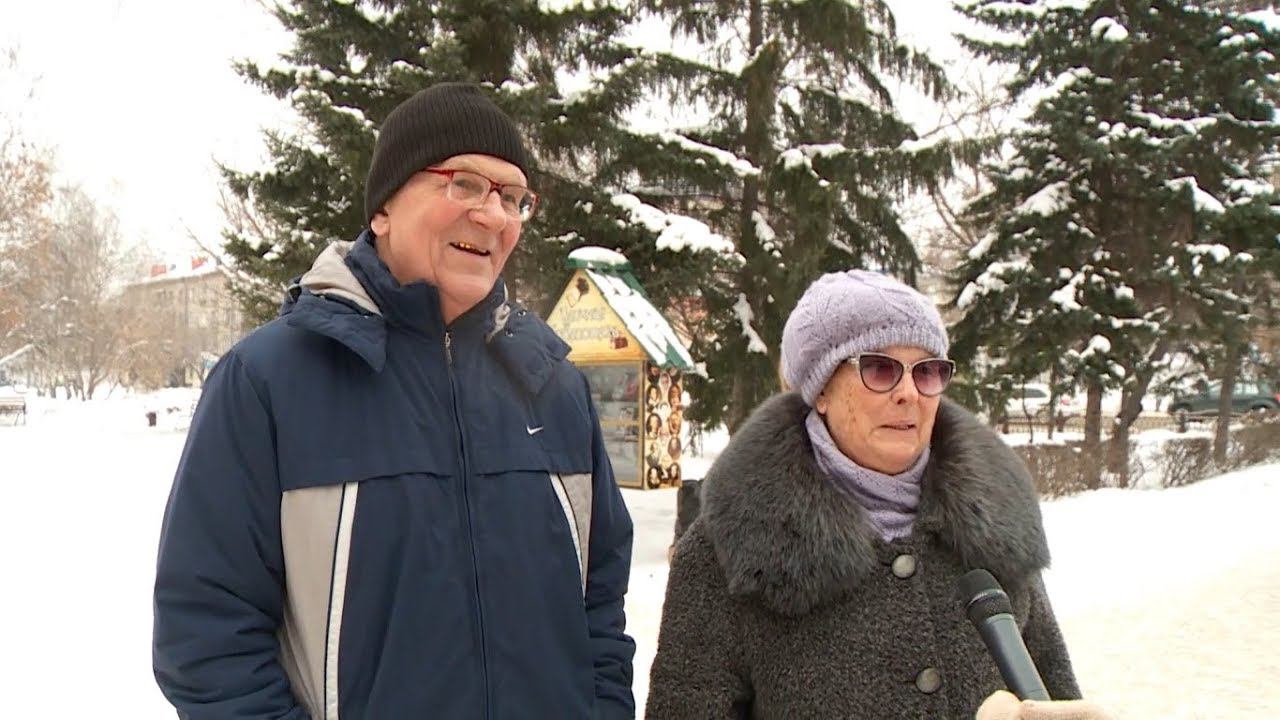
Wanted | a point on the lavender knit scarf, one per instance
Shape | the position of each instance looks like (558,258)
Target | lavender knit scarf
(890,500)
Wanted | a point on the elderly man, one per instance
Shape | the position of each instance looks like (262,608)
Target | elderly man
(394,501)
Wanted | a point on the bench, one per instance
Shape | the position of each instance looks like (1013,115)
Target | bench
(15,406)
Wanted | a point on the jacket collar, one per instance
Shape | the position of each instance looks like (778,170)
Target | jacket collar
(349,295)
(416,305)
(786,535)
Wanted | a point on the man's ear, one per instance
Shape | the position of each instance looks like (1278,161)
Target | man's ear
(380,224)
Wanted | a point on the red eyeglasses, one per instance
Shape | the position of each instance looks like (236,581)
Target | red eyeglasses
(882,373)
(472,188)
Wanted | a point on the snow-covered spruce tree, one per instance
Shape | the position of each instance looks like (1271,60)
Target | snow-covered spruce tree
(1244,265)
(793,149)
(1240,5)
(1143,149)
(351,63)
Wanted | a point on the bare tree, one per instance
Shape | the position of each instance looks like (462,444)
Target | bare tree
(69,280)
(259,297)
(25,192)
(149,352)
(24,199)
(982,111)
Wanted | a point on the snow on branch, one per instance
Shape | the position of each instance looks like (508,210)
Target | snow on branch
(740,167)
(929,142)
(1098,344)
(1268,19)
(1246,189)
(1049,200)
(991,280)
(1034,9)
(595,84)
(552,7)
(742,309)
(983,246)
(1204,201)
(802,156)
(1220,253)
(675,232)
(1068,78)
(1159,122)
(1109,30)
(766,234)
(1066,297)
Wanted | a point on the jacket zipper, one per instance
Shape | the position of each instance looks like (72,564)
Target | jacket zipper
(466,511)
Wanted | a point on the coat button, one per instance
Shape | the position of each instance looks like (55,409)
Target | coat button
(904,566)
(928,681)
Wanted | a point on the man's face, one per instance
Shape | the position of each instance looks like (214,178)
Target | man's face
(458,248)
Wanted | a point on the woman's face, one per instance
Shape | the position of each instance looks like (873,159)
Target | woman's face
(655,424)
(887,431)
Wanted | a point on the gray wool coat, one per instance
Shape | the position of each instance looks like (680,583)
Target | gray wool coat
(783,602)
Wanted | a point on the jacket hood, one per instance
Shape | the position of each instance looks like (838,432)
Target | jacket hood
(349,295)
(785,534)
(330,277)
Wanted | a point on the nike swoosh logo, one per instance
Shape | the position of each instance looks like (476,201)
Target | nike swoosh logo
(533,430)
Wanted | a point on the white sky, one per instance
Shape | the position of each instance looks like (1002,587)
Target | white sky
(138,99)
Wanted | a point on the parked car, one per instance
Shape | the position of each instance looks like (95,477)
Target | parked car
(1245,397)
(1031,403)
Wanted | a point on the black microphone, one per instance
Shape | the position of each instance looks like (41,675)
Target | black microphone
(990,611)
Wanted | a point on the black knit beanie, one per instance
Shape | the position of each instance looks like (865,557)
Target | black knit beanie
(435,124)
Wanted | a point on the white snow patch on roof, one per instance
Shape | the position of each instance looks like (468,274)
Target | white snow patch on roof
(650,329)
(597,254)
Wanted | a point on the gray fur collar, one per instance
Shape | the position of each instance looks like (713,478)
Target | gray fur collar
(786,535)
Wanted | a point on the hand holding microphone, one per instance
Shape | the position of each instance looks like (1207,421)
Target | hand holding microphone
(990,611)
(1002,705)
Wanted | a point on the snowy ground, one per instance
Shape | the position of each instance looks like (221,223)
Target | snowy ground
(1170,599)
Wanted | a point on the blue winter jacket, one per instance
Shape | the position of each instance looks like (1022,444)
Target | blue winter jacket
(380,516)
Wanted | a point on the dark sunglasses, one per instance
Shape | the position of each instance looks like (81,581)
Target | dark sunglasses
(881,373)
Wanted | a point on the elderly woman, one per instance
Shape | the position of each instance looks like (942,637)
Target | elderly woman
(819,579)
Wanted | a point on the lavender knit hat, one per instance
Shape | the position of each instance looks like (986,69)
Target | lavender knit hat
(846,313)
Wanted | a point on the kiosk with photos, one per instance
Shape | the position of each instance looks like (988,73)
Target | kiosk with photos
(634,361)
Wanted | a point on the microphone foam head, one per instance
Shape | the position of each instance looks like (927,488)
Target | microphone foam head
(982,595)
